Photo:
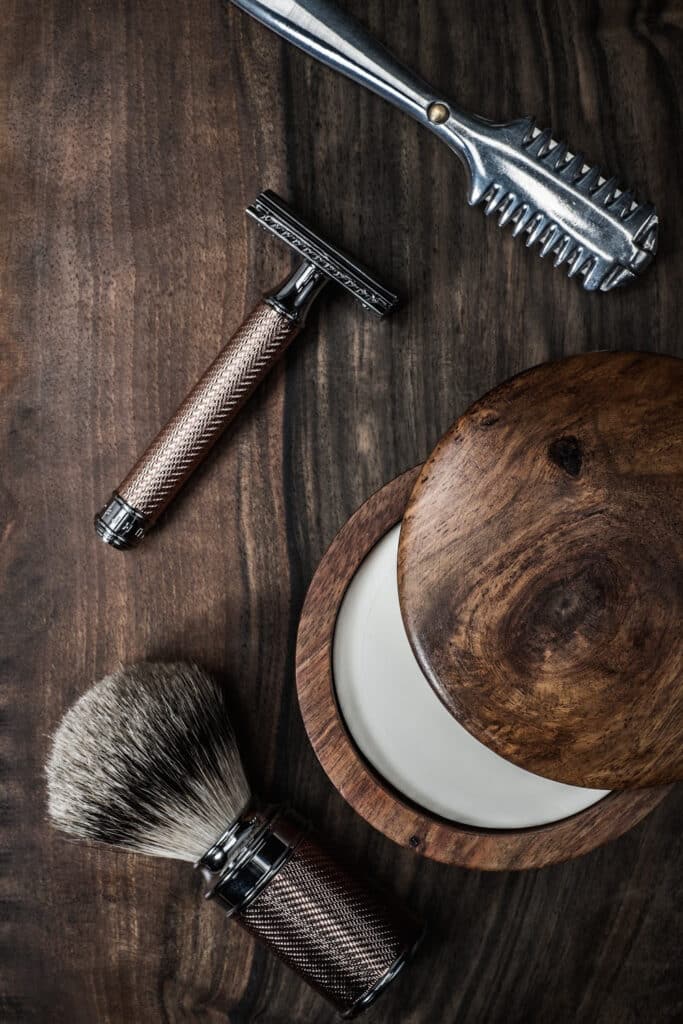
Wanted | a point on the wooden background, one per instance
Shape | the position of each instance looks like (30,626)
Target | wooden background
(134,134)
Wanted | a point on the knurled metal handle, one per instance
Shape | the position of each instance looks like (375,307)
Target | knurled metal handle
(330,928)
(213,402)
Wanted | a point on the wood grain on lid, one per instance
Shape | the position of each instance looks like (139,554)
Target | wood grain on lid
(541,570)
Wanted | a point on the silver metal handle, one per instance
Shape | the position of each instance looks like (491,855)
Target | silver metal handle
(332,36)
(546,191)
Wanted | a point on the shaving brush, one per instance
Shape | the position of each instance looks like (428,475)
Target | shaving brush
(146,760)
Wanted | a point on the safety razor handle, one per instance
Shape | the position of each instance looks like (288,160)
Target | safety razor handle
(182,444)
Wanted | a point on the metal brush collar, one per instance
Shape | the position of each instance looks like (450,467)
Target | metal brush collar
(247,855)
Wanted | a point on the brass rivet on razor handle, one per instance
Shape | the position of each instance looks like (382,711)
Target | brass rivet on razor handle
(235,373)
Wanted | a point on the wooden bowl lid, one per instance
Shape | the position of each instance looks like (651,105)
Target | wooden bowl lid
(541,570)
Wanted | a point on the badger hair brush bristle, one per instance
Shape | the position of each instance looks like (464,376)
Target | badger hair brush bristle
(147,761)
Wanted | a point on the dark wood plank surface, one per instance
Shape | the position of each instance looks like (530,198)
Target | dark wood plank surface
(133,136)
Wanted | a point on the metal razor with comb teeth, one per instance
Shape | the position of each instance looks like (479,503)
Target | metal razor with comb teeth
(547,193)
(236,371)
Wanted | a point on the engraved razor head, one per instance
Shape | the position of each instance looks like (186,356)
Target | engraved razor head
(272,213)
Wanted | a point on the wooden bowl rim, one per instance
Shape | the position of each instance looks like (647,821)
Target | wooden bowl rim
(363,788)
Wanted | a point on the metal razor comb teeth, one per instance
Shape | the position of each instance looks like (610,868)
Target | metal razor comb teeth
(581,260)
(533,182)
(539,228)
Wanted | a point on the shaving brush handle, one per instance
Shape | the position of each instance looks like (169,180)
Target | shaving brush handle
(183,443)
(331,928)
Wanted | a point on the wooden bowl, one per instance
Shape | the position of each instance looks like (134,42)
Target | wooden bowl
(364,789)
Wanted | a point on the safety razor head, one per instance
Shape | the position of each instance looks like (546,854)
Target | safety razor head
(272,213)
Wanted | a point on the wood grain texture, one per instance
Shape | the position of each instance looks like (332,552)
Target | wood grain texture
(540,570)
(366,791)
(133,137)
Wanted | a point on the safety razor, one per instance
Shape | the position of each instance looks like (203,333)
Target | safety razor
(235,373)
(547,193)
